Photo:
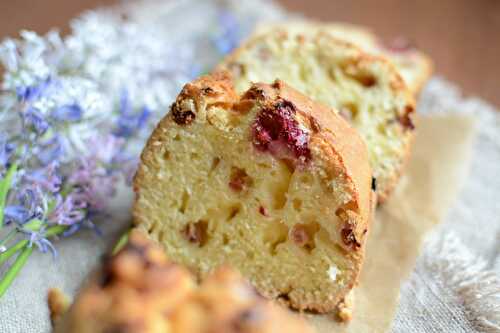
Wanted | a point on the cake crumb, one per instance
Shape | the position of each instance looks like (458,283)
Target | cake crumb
(345,308)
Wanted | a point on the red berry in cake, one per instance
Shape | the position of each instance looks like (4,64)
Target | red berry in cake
(299,235)
(276,130)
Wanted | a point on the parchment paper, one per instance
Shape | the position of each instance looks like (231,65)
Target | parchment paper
(439,163)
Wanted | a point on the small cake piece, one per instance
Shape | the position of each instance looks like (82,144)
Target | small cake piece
(140,291)
(268,182)
(414,66)
(364,89)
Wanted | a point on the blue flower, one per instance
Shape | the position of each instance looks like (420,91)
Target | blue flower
(28,206)
(68,211)
(17,214)
(6,150)
(50,150)
(83,224)
(46,178)
(34,92)
(34,118)
(130,122)
(69,112)
(43,244)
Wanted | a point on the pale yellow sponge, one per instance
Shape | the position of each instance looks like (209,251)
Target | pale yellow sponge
(414,66)
(267,182)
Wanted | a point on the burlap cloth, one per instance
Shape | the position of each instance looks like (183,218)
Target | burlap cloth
(452,178)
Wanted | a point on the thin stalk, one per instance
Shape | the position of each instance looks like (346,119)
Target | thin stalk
(9,236)
(15,269)
(52,231)
(55,230)
(4,190)
(4,256)
(121,243)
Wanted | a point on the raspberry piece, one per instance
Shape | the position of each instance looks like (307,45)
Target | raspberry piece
(277,127)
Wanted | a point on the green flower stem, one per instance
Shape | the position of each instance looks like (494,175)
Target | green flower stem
(52,231)
(121,243)
(4,190)
(15,269)
(55,230)
(9,236)
(12,250)
(26,251)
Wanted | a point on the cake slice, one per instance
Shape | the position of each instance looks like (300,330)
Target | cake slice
(140,291)
(414,66)
(267,182)
(365,89)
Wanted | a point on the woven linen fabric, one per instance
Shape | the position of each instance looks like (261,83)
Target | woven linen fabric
(455,286)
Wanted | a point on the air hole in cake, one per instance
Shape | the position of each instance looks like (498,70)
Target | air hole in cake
(365,79)
(306,179)
(233,211)
(184,202)
(152,227)
(263,165)
(239,180)
(162,236)
(195,156)
(284,297)
(303,235)
(225,239)
(214,165)
(279,190)
(196,233)
(166,155)
(290,164)
(275,234)
(332,74)
(349,111)
(297,204)
(177,137)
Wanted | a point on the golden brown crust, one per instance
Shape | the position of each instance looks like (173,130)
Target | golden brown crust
(139,291)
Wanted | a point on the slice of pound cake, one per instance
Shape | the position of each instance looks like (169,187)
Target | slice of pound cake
(140,291)
(365,89)
(414,66)
(268,182)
